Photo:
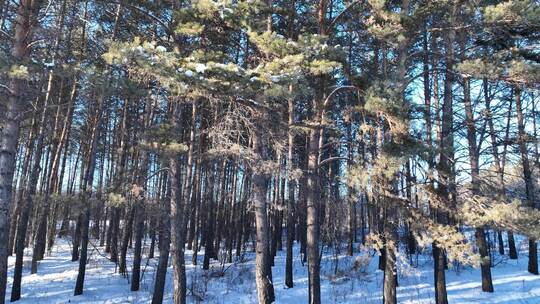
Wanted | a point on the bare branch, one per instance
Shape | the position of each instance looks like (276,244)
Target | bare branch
(331,159)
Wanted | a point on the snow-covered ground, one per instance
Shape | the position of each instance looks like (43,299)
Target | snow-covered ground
(357,281)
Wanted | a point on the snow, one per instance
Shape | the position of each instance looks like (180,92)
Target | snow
(291,43)
(200,68)
(234,283)
(188,73)
(275,78)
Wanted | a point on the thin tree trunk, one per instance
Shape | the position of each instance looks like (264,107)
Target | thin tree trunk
(164,242)
(27,208)
(312,240)
(23,181)
(208,218)
(140,208)
(139,230)
(87,193)
(290,199)
(487,284)
(532,265)
(89,174)
(351,203)
(501,188)
(390,270)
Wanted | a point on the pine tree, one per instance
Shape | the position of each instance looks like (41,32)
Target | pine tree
(221,124)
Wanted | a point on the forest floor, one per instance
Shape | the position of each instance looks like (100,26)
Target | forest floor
(357,280)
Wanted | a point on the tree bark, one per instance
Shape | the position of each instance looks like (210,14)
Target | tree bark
(86,190)
(41,233)
(290,199)
(10,127)
(27,208)
(532,265)
(444,168)
(312,240)
(177,226)
(128,231)
(164,242)
(390,270)
(263,271)
(485,263)
(499,163)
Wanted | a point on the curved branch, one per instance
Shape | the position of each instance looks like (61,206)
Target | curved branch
(5,87)
(157,172)
(349,87)
(342,13)
(151,16)
(330,159)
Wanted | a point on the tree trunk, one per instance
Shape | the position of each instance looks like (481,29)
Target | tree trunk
(140,208)
(128,229)
(76,239)
(532,266)
(312,240)
(10,127)
(499,164)
(27,209)
(209,217)
(290,199)
(439,275)
(164,243)
(41,233)
(263,271)
(79,285)
(177,226)
(390,270)
(487,284)
(137,255)
(23,181)
(351,214)
(87,193)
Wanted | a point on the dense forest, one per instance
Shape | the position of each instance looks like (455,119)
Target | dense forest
(148,129)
